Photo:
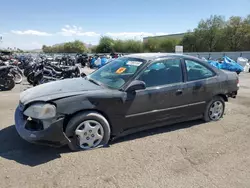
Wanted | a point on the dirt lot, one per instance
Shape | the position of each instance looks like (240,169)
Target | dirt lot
(193,154)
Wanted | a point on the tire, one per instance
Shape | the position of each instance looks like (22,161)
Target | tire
(43,81)
(18,78)
(211,106)
(79,122)
(30,78)
(83,75)
(9,84)
(27,71)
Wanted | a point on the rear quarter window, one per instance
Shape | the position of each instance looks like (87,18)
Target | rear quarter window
(197,71)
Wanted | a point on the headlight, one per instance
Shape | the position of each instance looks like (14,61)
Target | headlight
(41,111)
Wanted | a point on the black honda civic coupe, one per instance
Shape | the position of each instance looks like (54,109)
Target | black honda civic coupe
(129,94)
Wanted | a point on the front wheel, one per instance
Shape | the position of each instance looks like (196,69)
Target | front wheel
(18,77)
(30,78)
(27,71)
(8,84)
(88,130)
(215,109)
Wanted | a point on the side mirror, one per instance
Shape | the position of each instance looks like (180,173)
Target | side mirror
(136,85)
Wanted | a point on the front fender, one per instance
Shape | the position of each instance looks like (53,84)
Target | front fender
(70,105)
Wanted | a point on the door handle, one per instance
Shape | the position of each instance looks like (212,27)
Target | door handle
(179,92)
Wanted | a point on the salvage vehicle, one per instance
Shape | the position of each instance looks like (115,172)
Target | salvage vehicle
(129,94)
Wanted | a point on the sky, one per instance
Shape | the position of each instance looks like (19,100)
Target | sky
(29,24)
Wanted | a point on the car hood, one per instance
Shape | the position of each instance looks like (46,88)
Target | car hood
(57,89)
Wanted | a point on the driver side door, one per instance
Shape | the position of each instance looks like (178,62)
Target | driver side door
(163,98)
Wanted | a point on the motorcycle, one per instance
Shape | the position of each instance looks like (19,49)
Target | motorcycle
(17,74)
(6,78)
(14,70)
(39,78)
(35,68)
(42,74)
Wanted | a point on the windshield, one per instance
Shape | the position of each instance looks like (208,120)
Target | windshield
(116,73)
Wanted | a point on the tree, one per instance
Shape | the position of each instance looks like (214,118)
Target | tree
(234,33)
(131,46)
(106,45)
(207,33)
(189,42)
(69,47)
(168,45)
(246,30)
(93,49)
(216,34)
(119,46)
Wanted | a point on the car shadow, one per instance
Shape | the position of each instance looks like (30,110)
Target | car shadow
(158,130)
(13,147)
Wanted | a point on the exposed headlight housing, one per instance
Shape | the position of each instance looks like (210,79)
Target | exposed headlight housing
(41,111)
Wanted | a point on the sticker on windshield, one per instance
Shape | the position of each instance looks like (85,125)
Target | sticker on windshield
(134,63)
(120,70)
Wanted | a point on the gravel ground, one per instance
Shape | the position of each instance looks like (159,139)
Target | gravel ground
(193,154)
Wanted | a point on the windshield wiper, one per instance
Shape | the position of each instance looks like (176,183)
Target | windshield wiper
(93,81)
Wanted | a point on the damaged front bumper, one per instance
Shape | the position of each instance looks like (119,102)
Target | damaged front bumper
(52,136)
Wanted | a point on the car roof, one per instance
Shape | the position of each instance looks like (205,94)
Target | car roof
(153,56)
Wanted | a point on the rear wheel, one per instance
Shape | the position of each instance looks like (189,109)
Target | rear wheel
(215,109)
(88,130)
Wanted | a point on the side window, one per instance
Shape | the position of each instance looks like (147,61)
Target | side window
(197,71)
(162,73)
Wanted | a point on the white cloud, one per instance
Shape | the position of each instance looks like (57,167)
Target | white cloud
(23,38)
(68,30)
(73,30)
(31,32)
